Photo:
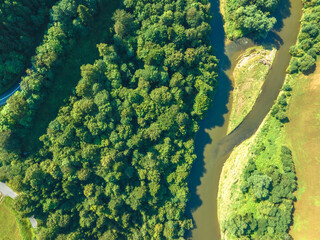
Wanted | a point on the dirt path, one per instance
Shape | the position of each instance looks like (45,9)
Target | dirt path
(304,137)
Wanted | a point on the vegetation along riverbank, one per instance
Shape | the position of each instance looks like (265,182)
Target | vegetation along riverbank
(248,77)
(257,182)
(101,140)
(213,144)
(261,192)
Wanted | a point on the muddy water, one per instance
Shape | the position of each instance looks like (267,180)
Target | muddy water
(212,145)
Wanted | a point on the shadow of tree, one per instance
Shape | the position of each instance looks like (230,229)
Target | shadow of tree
(282,12)
(215,114)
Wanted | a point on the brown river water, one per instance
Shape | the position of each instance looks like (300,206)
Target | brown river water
(212,145)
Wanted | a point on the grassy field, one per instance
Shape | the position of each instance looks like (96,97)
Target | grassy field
(249,75)
(303,133)
(13,227)
(18,227)
(9,228)
(67,75)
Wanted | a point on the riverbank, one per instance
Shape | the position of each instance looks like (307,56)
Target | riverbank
(248,77)
(303,134)
(255,197)
(230,175)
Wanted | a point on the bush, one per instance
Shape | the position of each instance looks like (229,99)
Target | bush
(255,17)
(286,87)
(293,65)
(282,117)
(308,47)
(306,63)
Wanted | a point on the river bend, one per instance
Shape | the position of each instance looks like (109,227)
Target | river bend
(212,145)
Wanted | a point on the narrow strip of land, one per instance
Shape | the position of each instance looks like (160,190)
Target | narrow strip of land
(248,77)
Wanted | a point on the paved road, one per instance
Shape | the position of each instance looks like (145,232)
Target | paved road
(4,96)
(8,192)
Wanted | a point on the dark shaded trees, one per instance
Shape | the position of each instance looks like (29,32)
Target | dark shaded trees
(20,21)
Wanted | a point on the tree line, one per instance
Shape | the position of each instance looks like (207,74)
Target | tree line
(305,52)
(116,159)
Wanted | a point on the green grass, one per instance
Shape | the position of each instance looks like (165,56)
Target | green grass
(9,227)
(303,133)
(68,74)
(230,178)
(13,227)
(271,137)
(249,75)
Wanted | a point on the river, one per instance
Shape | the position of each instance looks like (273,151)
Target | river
(212,145)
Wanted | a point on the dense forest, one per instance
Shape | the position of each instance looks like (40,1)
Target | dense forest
(20,24)
(115,161)
(248,17)
(69,19)
(305,52)
(264,204)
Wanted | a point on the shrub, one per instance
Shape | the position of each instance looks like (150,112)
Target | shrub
(306,63)
(282,117)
